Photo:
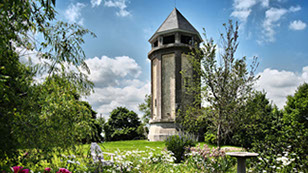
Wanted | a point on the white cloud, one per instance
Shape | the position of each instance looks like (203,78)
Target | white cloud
(116,81)
(265,3)
(104,100)
(120,4)
(297,25)
(95,3)
(271,21)
(280,84)
(107,71)
(244,4)
(116,84)
(242,15)
(272,16)
(242,9)
(73,13)
(295,9)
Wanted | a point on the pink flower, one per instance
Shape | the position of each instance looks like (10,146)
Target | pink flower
(63,170)
(47,170)
(19,169)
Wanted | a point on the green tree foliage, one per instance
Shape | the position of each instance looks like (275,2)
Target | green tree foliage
(47,115)
(58,119)
(295,120)
(296,109)
(122,125)
(15,98)
(226,82)
(287,137)
(145,107)
(99,124)
(255,120)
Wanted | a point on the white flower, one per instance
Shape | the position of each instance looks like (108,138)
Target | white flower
(70,161)
(155,159)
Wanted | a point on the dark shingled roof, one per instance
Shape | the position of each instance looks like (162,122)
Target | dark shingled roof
(176,21)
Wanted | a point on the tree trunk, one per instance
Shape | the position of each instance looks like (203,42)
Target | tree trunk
(218,136)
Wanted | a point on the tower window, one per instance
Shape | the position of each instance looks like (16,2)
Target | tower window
(155,43)
(169,39)
(186,39)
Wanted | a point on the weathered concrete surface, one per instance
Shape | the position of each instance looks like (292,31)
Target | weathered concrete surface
(168,86)
(159,131)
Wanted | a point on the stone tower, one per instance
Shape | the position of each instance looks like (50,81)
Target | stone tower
(170,44)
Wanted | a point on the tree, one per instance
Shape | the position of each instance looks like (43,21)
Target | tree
(257,117)
(295,128)
(226,82)
(145,107)
(47,115)
(122,125)
(286,135)
(296,109)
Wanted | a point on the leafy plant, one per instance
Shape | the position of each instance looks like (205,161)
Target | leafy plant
(178,144)
(210,138)
(209,160)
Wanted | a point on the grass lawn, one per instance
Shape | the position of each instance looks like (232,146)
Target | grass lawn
(142,145)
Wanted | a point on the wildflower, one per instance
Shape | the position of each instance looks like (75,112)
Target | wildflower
(63,170)
(47,170)
(19,169)
(70,161)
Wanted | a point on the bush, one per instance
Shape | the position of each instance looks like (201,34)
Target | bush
(206,159)
(177,144)
(210,138)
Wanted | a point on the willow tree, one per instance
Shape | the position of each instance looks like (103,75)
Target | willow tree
(226,81)
(44,115)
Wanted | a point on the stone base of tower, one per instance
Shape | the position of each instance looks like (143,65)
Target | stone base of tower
(159,131)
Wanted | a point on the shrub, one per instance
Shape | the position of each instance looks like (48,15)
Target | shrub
(177,144)
(210,138)
(209,160)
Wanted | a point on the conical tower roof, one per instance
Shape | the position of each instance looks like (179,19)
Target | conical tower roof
(176,22)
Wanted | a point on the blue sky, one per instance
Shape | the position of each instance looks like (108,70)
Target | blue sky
(274,30)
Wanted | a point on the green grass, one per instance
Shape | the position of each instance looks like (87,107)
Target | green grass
(143,145)
(131,145)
